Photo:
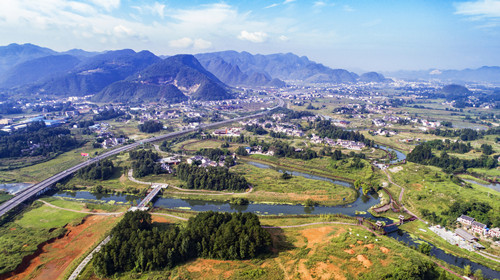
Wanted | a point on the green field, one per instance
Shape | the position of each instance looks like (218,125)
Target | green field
(323,166)
(41,171)
(35,225)
(324,251)
(428,187)
(270,187)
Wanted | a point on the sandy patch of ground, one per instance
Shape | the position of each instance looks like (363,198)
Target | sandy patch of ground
(350,251)
(328,271)
(370,246)
(206,267)
(352,246)
(359,242)
(123,178)
(161,219)
(365,261)
(418,187)
(317,235)
(58,255)
(396,169)
(304,271)
(384,250)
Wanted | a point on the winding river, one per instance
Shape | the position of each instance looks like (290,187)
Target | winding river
(362,203)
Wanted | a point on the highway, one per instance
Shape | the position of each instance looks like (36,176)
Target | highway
(40,187)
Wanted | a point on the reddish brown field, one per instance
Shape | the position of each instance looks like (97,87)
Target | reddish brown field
(57,256)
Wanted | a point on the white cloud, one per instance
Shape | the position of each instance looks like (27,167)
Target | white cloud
(255,37)
(319,4)
(156,9)
(188,43)
(272,6)
(288,1)
(122,31)
(283,38)
(201,44)
(479,8)
(182,43)
(108,5)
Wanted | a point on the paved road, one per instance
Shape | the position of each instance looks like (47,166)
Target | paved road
(36,189)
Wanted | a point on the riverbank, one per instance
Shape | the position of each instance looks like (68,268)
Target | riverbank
(421,231)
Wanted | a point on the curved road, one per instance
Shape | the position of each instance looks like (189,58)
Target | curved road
(38,188)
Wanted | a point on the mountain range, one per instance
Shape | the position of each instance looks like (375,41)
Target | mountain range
(129,76)
(485,74)
(240,68)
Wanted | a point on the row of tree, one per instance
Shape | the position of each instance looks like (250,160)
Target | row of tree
(150,126)
(423,154)
(211,178)
(99,171)
(327,129)
(466,134)
(108,114)
(137,245)
(447,145)
(36,140)
(145,163)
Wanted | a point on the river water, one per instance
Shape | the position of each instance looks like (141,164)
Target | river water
(492,186)
(14,187)
(362,203)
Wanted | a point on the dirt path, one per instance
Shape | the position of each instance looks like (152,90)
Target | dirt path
(170,215)
(311,224)
(401,195)
(79,211)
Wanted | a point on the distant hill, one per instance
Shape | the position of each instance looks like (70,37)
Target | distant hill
(126,91)
(98,72)
(37,70)
(182,72)
(232,75)
(14,54)
(280,66)
(373,77)
(454,92)
(485,74)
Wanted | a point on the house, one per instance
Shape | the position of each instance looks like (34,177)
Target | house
(466,220)
(494,232)
(465,235)
(478,227)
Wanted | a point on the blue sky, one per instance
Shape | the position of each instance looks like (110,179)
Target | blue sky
(369,35)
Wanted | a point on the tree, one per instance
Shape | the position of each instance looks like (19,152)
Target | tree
(150,126)
(425,248)
(286,176)
(241,151)
(478,274)
(467,270)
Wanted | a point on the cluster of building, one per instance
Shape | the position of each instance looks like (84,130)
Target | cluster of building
(346,144)
(228,131)
(166,163)
(206,162)
(477,227)
(286,128)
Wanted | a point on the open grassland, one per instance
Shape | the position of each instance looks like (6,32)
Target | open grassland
(427,187)
(42,171)
(4,197)
(414,228)
(325,251)
(270,187)
(37,224)
(321,166)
